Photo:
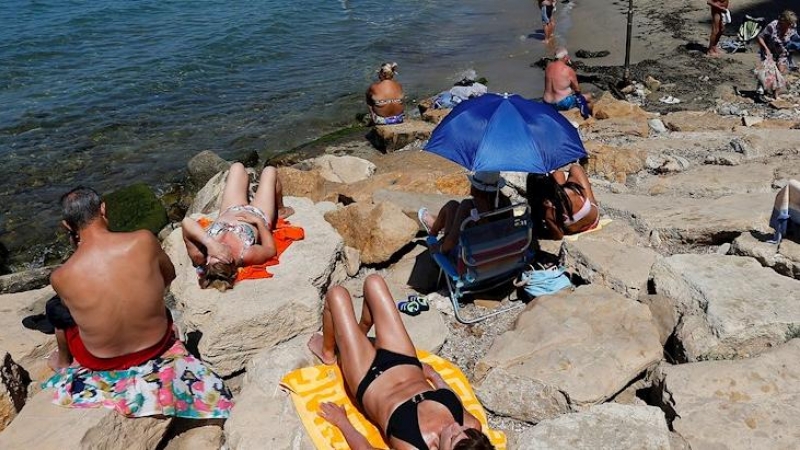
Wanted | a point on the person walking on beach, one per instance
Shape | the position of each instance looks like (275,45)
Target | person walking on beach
(561,87)
(720,16)
(548,8)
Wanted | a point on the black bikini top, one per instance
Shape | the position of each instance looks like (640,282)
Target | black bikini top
(404,422)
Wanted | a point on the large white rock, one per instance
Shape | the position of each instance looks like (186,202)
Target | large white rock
(731,305)
(28,348)
(263,416)
(257,314)
(607,426)
(566,340)
(610,258)
(694,219)
(343,169)
(44,426)
(745,404)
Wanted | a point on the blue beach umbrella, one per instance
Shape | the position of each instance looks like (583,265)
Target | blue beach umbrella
(505,132)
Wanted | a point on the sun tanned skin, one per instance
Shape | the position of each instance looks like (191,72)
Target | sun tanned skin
(113,286)
(341,330)
(717,27)
(384,89)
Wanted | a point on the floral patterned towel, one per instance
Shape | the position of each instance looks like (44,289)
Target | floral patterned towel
(174,384)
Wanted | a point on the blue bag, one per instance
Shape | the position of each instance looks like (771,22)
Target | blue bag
(544,282)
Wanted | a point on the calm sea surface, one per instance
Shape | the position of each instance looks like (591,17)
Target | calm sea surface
(110,92)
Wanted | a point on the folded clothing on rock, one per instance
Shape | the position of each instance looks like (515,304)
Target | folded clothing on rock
(172,384)
(312,386)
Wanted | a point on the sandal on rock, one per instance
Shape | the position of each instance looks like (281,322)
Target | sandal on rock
(420,216)
(413,305)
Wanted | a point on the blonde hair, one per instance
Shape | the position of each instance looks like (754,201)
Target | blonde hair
(387,70)
(219,275)
(789,17)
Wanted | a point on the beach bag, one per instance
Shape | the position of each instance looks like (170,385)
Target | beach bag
(539,282)
(769,77)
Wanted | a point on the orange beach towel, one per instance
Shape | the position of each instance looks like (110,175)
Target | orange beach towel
(283,234)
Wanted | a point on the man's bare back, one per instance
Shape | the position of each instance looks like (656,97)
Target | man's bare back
(113,286)
(560,81)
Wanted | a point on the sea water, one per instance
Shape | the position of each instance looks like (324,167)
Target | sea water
(110,92)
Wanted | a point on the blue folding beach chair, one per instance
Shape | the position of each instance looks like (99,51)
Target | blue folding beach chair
(488,256)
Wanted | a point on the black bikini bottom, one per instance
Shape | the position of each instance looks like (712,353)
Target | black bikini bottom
(384,360)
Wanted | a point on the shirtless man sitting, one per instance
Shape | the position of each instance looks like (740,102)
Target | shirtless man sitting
(111,291)
(561,86)
(111,319)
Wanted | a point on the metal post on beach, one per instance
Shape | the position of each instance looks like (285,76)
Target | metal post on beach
(627,74)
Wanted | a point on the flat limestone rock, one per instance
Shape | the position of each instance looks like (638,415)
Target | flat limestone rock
(565,340)
(783,258)
(605,258)
(520,397)
(704,221)
(389,138)
(714,181)
(45,426)
(28,348)
(699,121)
(732,306)
(607,426)
(745,404)
(343,169)
(232,326)
(263,416)
(207,437)
(614,163)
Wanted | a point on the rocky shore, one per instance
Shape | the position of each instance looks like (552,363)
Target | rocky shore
(682,331)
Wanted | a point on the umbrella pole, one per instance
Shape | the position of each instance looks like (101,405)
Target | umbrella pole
(627,74)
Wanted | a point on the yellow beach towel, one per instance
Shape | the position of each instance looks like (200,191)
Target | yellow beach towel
(311,386)
(600,225)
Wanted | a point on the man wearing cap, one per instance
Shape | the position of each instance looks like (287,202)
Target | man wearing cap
(485,196)
(561,87)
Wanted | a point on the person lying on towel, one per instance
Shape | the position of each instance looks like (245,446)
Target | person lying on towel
(242,234)
(390,384)
(116,344)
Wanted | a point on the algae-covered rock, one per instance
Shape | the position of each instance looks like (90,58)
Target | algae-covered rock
(135,207)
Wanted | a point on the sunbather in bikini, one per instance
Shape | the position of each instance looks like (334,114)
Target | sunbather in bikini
(385,97)
(562,204)
(242,234)
(410,403)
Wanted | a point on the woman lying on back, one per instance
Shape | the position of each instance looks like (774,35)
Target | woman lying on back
(391,385)
(242,234)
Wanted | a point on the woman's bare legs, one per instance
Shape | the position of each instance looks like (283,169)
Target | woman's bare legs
(341,331)
(283,210)
(390,332)
(444,220)
(235,192)
(269,196)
